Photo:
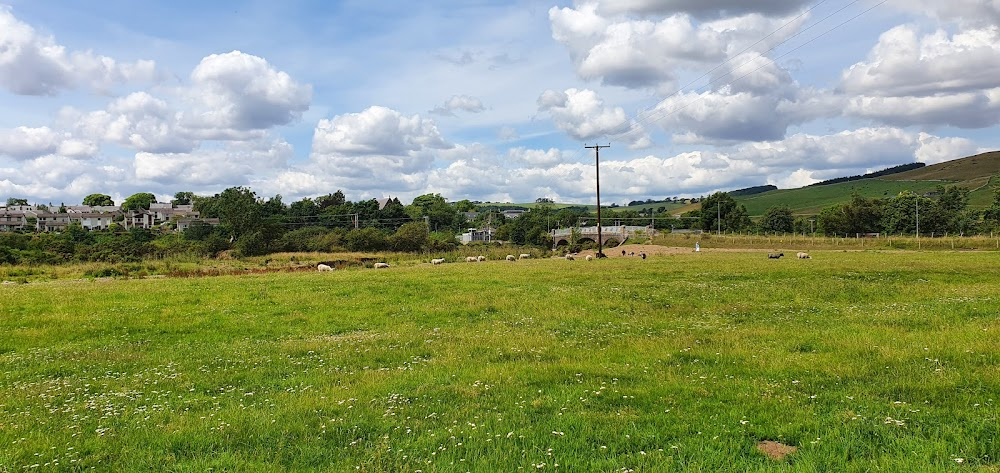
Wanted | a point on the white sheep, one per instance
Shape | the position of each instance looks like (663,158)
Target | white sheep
(481,258)
(437,261)
(524,256)
(511,258)
(381,265)
(801,255)
(324,267)
(590,257)
(570,257)
(471,259)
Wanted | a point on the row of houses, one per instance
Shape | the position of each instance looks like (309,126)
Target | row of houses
(30,218)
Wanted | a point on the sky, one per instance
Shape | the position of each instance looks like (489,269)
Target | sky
(486,100)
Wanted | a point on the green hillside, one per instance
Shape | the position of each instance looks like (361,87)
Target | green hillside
(811,200)
(980,174)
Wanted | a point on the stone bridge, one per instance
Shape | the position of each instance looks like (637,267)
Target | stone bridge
(611,235)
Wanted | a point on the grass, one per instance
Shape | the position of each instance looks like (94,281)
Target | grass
(864,360)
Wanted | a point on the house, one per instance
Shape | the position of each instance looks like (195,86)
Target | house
(11,221)
(475,234)
(93,220)
(512,213)
(166,212)
(138,219)
(49,222)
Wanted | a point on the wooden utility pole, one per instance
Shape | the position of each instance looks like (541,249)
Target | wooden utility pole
(597,164)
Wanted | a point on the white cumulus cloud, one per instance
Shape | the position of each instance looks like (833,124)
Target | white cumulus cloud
(34,64)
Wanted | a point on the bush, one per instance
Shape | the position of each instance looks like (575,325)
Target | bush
(411,236)
(366,239)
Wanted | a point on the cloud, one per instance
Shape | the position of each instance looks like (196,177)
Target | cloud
(703,8)
(755,100)
(29,143)
(459,103)
(649,53)
(377,148)
(536,157)
(931,80)
(508,133)
(904,64)
(976,13)
(583,116)
(239,92)
(232,164)
(34,64)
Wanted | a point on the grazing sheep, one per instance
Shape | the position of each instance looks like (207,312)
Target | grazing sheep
(381,265)
(524,256)
(481,258)
(437,261)
(324,267)
(775,255)
(570,257)
(589,258)
(511,258)
(471,259)
(801,255)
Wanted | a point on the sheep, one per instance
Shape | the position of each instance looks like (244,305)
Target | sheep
(511,258)
(524,256)
(381,265)
(570,257)
(471,259)
(589,257)
(481,258)
(802,255)
(775,255)
(323,267)
(437,261)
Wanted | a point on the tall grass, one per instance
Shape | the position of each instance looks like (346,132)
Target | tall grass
(863,360)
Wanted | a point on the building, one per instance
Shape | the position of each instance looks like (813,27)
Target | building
(12,221)
(475,234)
(512,213)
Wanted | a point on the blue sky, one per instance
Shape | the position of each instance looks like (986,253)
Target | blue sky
(486,100)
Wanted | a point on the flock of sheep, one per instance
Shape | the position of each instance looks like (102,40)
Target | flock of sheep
(476,259)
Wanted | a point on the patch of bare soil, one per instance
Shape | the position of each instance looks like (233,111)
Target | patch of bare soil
(775,450)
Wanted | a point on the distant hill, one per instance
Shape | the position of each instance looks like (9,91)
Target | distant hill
(884,172)
(753,190)
(980,174)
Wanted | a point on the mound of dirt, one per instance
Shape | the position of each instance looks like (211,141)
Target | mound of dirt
(775,450)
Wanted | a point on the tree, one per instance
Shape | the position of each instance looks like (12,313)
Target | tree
(236,207)
(859,216)
(411,236)
(901,213)
(139,201)
(721,205)
(465,206)
(441,215)
(98,200)
(183,198)
(13,202)
(331,200)
(778,219)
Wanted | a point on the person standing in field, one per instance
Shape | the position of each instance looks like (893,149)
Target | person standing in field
(697,247)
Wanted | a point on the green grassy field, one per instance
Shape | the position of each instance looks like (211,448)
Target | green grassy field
(862,360)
